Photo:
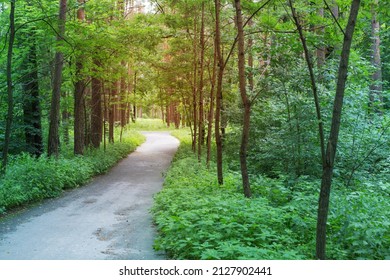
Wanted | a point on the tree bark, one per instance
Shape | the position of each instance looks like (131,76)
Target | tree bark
(211,109)
(111,111)
(10,98)
(194,86)
(245,100)
(201,86)
(54,139)
(327,174)
(96,110)
(79,122)
(221,67)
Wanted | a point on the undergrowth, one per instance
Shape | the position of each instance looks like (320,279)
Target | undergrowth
(29,179)
(198,219)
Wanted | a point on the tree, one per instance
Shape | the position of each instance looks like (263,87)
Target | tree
(201,83)
(327,172)
(10,99)
(218,95)
(54,139)
(245,100)
(96,108)
(79,116)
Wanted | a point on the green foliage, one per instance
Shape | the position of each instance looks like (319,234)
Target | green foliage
(149,125)
(198,219)
(359,224)
(29,179)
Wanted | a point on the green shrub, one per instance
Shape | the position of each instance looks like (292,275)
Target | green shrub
(198,219)
(29,179)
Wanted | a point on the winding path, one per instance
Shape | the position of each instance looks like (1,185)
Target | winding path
(107,219)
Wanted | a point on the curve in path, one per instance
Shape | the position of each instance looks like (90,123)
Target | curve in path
(107,219)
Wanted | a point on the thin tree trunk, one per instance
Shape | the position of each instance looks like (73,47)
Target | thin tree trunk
(134,118)
(201,81)
(194,88)
(105,114)
(8,127)
(54,138)
(245,100)
(79,122)
(312,80)
(211,109)
(96,111)
(111,112)
(221,66)
(327,174)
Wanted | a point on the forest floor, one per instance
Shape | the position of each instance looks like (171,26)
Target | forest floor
(107,219)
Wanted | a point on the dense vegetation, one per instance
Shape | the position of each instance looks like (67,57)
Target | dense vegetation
(198,219)
(286,102)
(29,179)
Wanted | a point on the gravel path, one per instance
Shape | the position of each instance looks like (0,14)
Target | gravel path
(107,219)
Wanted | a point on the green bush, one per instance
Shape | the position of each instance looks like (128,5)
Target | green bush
(29,179)
(198,219)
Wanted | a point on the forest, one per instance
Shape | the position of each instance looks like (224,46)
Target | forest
(282,109)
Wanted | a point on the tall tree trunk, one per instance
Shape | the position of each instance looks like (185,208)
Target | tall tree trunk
(245,100)
(105,114)
(201,81)
(123,99)
(31,102)
(96,110)
(376,97)
(134,115)
(327,174)
(54,138)
(194,86)
(211,109)
(221,67)
(111,111)
(8,127)
(79,123)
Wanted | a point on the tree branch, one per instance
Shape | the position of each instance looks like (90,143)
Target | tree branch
(333,16)
(245,24)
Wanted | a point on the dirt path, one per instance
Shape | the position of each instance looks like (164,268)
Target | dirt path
(107,219)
